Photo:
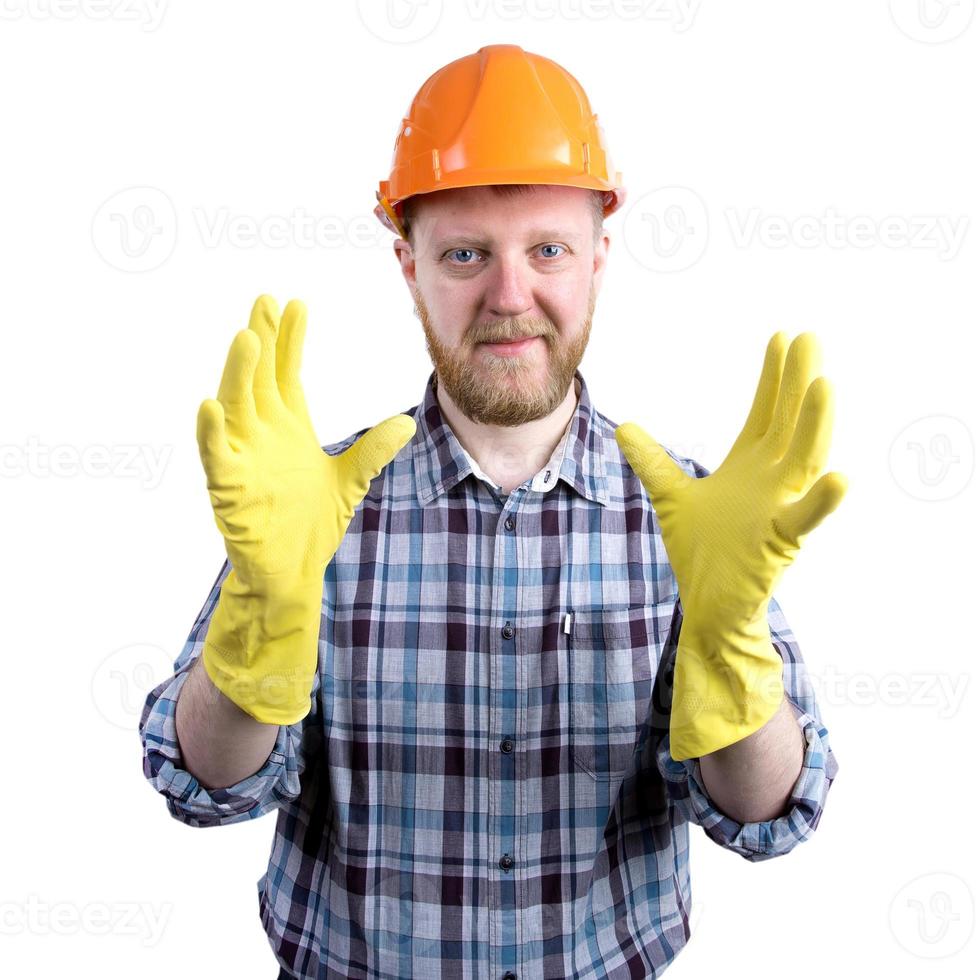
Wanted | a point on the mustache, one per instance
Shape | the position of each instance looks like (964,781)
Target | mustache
(501,335)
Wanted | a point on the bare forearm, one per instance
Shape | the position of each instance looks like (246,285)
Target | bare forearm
(219,742)
(750,780)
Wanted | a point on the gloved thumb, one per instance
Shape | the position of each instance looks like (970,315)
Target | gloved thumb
(658,472)
(364,460)
(802,516)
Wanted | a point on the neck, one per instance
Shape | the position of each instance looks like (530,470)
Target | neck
(509,455)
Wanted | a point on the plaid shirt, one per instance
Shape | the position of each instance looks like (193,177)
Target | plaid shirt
(483,787)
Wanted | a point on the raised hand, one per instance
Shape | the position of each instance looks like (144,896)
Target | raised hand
(282,506)
(730,535)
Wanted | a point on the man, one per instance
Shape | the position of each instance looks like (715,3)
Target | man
(489,658)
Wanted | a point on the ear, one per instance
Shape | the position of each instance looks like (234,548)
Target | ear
(600,259)
(405,256)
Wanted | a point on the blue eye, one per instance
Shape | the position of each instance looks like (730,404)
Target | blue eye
(453,254)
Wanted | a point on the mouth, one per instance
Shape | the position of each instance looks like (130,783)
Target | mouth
(511,347)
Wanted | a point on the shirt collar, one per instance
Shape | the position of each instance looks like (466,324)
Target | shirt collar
(441,462)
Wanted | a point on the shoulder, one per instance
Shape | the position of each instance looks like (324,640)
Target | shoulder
(606,429)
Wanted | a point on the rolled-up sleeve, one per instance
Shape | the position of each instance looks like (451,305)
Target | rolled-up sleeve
(277,782)
(768,838)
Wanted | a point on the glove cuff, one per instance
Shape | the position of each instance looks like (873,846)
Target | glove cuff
(260,650)
(726,686)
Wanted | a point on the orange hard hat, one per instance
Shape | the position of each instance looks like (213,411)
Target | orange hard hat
(500,116)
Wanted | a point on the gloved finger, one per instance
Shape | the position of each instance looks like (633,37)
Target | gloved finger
(235,390)
(264,321)
(289,354)
(807,453)
(764,402)
(801,367)
(657,471)
(365,459)
(802,516)
(211,441)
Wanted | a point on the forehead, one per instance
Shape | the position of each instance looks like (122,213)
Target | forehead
(480,211)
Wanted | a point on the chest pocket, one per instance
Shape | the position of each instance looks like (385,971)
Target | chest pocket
(613,656)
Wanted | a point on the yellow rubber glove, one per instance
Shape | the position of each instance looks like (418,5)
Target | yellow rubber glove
(729,537)
(282,505)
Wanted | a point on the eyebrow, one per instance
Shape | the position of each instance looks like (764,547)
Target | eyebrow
(475,241)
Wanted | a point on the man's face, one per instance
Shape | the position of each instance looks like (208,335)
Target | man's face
(487,268)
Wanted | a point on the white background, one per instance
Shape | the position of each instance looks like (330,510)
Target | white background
(756,124)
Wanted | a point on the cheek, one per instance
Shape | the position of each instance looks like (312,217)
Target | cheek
(448,320)
(568,314)
(455,311)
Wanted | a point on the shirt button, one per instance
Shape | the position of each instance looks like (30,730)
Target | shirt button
(507,631)
(506,745)
(506,862)
(509,524)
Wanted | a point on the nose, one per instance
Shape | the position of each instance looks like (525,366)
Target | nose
(509,287)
